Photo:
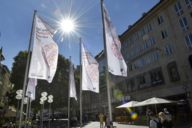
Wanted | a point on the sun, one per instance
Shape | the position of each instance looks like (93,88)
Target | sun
(67,25)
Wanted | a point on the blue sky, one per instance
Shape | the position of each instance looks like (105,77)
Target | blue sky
(16,20)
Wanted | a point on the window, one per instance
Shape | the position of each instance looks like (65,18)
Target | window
(178,9)
(188,3)
(148,27)
(130,67)
(188,40)
(136,36)
(142,32)
(152,40)
(128,84)
(156,56)
(190,60)
(183,23)
(141,80)
(146,45)
(160,20)
(164,34)
(156,77)
(133,85)
(148,60)
(168,50)
(173,72)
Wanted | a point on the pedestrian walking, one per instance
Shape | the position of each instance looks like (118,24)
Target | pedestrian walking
(107,122)
(168,117)
(163,120)
(154,121)
(101,119)
(148,112)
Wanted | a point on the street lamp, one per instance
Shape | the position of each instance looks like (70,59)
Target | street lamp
(18,97)
(50,100)
(43,94)
(42,101)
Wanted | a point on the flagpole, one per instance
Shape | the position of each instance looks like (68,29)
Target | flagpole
(49,113)
(69,93)
(80,99)
(106,71)
(27,110)
(29,114)
(42,108)
(26,70)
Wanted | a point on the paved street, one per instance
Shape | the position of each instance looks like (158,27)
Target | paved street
(96,125)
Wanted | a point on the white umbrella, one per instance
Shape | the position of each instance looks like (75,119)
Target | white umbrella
(155,101)
(128,104)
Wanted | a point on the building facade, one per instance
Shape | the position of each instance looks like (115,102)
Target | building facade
(158,51)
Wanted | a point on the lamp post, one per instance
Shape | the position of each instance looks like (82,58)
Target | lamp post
(29,102)
(42,101)
(50,101)
(18,97)
(25,101)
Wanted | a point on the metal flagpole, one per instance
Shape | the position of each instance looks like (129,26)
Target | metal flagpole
(69,93)
(26,71)
(80,99)
(27,110)
(42,108)
(106,72)
(17,111)
(49,113)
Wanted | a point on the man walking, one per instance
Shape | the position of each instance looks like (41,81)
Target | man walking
(101,119)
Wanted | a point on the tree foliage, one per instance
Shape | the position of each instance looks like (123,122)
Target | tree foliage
(18,70)
(58,88)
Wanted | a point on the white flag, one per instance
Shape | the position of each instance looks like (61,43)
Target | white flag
(31,87)
(116,63)
(44,54)
(90,71)
(72,83)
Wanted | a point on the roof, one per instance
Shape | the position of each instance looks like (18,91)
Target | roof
(143,17)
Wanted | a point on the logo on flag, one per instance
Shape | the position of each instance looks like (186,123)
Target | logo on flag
(116,63)
(90,71)
(45,52)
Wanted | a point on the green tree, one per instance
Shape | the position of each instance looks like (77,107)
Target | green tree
(18,70)
(58,88)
